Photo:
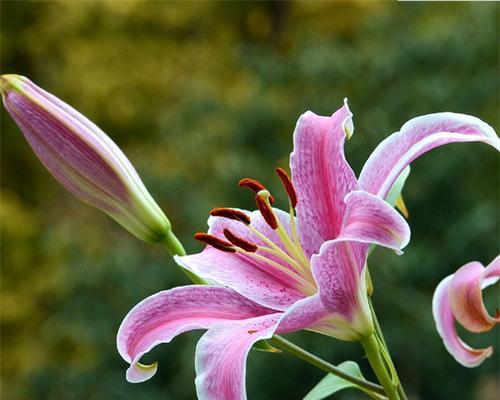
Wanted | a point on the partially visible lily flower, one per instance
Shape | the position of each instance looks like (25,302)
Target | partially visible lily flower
(459,298)
(274,272)
(83,158)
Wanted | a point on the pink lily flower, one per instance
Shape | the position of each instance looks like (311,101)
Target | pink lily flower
(83,158)
(459,298)
(271,272)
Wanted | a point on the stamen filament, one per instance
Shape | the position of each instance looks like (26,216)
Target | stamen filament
(274,247)
(266,210)
(294,264)
(295,236)
(306,286)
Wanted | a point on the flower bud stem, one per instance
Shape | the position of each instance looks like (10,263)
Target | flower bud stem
(175,248)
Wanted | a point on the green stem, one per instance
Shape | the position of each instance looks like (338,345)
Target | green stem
(380,335)
(173,245)
(175,248)
(283,344)
(371,346)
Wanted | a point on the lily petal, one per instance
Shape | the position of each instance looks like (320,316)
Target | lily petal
(369,219)
(161,317)
(445,324)
(416,137)
(321,175)
(252,278)
(466,296)
(310,313)
(221,352)
(339,272)
(221,356)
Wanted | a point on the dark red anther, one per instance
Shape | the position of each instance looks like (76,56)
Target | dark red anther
(254,185)
(288,185)
(214,241)
(240,242)
(231,213)
(267,212)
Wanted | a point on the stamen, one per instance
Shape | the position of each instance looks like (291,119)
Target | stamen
(240,242)
(254,185)
(214,241)
(265,209)
(288,185)
(231,213)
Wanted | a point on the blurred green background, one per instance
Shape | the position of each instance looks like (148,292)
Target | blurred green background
(200,94)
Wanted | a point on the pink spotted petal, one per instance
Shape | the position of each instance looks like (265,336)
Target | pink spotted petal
(416,137)
(466,296)
(161,317)
(252,278)
(321,175)
(243,276)
(221,356)
(445,324)
(369,219)
(339,272)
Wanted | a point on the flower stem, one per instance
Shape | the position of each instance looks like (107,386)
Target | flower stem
(283,344)
(373,353)
(381,338)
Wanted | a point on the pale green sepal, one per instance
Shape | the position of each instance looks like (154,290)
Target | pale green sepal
(263,345)
(397,187)
(331,384)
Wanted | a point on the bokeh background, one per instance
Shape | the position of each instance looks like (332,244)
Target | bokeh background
(200,94)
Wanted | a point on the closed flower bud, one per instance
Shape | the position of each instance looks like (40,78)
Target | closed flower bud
(83,158)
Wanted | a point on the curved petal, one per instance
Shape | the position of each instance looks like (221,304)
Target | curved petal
(466,298)
(416,137)
(369,219)
(339,272)
(160,317)
(221,356)
(311,314)
(321,175)
(253,278)
(221,352)
(445,324)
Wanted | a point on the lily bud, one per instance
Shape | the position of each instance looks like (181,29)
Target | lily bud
(83,158)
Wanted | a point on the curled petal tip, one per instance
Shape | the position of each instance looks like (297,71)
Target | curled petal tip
(138,372)
(458,298)
(347,124)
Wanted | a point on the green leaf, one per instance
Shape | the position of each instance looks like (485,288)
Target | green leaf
(331,384)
